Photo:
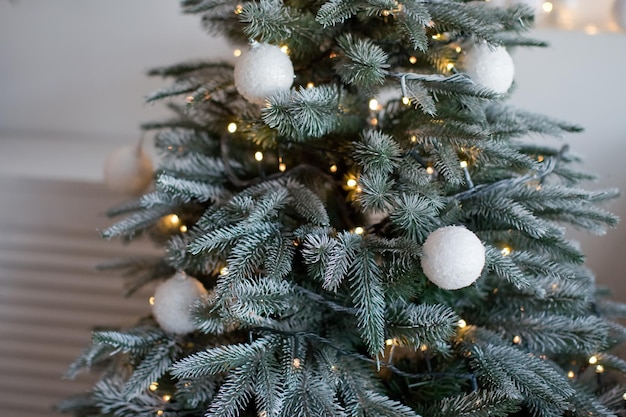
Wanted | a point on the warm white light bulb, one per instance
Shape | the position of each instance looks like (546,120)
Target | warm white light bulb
(462,324)
(359,230)
(333,168)
(224,271)
(593,360)
(351,183)
(282,167)
(571,374)
(258,156)
(373,104)
(237,52)
(506,251)
(285,49)
(232,127)
(412,59)
(463,164)
(406,101)
(547,7)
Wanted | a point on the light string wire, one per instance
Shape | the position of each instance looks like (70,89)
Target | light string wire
(546,168)
(471,377)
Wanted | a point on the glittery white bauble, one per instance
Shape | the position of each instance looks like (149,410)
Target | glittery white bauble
(128,170)
(491,67)
(453,257)
(262,71)
(173,300)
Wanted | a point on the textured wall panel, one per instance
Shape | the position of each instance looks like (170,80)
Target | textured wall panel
(50,295)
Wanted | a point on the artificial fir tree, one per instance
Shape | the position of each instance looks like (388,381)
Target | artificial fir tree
(363,228)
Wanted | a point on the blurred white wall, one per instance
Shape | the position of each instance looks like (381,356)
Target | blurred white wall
(72,78)
(577,79)
(72,84)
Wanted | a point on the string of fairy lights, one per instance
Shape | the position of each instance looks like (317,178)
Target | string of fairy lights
(351,180)
(565,14)
(607,15)
(592,17)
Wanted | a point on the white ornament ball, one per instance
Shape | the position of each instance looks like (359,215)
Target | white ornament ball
(173,300)
(453,257)
(128,170)
(262,71)
(491,67)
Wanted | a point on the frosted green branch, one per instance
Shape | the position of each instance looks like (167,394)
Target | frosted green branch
(220,359)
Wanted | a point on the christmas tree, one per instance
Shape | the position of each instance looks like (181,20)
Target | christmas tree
(355,223)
